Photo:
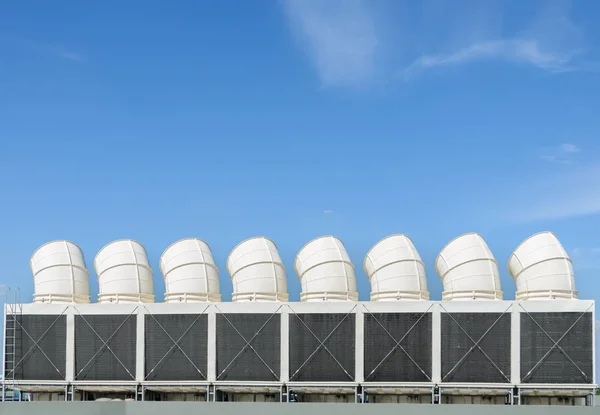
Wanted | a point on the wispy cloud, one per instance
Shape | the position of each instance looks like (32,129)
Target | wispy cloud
(338,36)
(563,154)
(328,212)
(517,51)
(58,51)
(559,195)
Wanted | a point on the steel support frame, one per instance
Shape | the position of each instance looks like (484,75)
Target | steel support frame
(176,342)
(248,342)
(555,345)
(105,342)
(398,343)
(36,344)
(476,343)
(322,343)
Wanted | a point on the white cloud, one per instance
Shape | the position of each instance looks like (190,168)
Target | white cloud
(562,194)
(328,211)
(339,37)
(523,51)
(45,48)
(564,154)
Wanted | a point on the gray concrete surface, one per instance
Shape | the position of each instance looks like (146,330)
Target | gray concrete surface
(185,408)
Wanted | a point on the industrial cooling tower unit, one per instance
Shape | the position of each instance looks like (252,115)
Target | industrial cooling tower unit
(470,347)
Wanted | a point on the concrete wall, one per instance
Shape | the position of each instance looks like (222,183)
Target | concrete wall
(189,408)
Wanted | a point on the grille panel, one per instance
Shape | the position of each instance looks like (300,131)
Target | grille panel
(386,363)
(235,361)
(29,362)
(556,367)
(311,363)
(476,367)
(165,360)
(93,360)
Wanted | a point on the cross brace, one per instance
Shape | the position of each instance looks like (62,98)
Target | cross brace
(555,346)
(248,343)
(398,344)
(322,344)
(476,345)
(105,343)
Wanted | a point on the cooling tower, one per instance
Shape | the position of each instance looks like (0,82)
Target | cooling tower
(395,270)
(190,272)
(542,269)
(257,272)
(60,274)
(325,270)
(468,270)
(124,273)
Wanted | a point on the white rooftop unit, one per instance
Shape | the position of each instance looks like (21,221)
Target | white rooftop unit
(60,274)
(325,270)
(257,272)
(190,272)
(468,270)
(395,270)
(124,273)
(542,269)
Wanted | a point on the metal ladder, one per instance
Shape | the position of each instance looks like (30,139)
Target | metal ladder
(13,309)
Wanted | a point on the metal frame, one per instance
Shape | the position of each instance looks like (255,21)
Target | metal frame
(360,387)
(476,344)
(248,345)
(322,343)
(556,345)
(176,342)
(397,343)
(105,343)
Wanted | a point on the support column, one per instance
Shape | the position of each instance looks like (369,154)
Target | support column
(284,364)
(140,345)
(359,346)
(515,342)
(211,362)
(436,344)
(70,347)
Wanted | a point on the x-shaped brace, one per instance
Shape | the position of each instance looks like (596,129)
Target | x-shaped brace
(555,345)
(105,343)
(248,343)
(322,344)
(176,343)
(476,344)
(398,344)
(36,343)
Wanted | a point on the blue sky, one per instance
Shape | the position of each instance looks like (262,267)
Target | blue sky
(292,119)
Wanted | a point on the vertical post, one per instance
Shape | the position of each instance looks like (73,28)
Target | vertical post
(436,345)
(515,345)
(284,364)
(140,345)
(359,345)
(211,350)
(70,346)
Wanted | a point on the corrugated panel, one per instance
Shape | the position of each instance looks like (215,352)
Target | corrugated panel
(236,361)
(386,362)
(476,367)
(311,362)
(96,361)
(555,367)
(40,347)
(176,346)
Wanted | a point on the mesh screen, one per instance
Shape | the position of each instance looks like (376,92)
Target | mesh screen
(94,360)
(386,362)
(311,362)
(169,339)
(476,367)
(238,362)
(39,349)
(556,367)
